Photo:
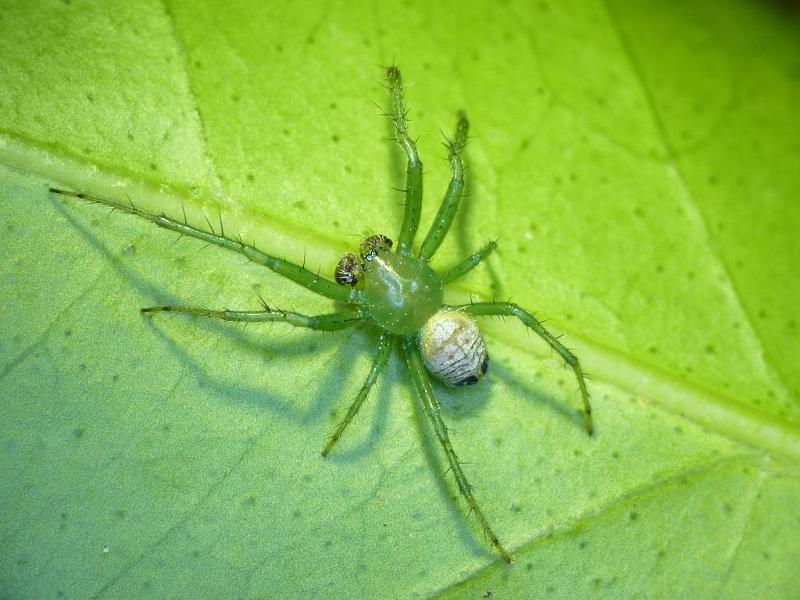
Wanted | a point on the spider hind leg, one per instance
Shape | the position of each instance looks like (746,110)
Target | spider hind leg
(384,346)
(422,384)
(512,310)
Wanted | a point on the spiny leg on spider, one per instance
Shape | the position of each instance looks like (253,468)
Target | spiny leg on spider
(397,292)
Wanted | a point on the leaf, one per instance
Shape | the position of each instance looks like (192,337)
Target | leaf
(639,167)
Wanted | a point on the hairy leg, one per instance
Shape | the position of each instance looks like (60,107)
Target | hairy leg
(328,322)
(296,273)
(413,189)
(469,263)
(512,310)
(384,346)
(422,384)
(452,198)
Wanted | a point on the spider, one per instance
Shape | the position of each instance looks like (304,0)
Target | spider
(396,292)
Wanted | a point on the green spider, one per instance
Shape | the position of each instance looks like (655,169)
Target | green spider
(396,292)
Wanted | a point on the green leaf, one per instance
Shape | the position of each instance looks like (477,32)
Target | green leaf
(639,166)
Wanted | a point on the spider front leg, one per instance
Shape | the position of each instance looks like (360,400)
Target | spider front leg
(328,322)
(512,310)
(452,198)
(384,345)
(300,275)
(413,189)
(422,384)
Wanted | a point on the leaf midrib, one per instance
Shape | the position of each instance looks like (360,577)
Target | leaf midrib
(708,408)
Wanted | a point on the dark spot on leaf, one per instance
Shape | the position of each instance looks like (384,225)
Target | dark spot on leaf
(78,432)
(633,515)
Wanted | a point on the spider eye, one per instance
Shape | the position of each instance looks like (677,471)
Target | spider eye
(374,244)
(348,270)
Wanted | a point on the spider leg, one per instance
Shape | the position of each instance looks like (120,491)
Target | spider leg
(452,198)
(512,310)
(327,322)
(300,275)
(469,263)
(413,189)
(422,384)
(384,345)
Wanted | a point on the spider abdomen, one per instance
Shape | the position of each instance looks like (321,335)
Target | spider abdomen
(453,349)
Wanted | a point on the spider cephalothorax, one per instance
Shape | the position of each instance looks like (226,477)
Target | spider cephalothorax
(396,291)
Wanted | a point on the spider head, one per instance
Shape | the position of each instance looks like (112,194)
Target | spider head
(374,244)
